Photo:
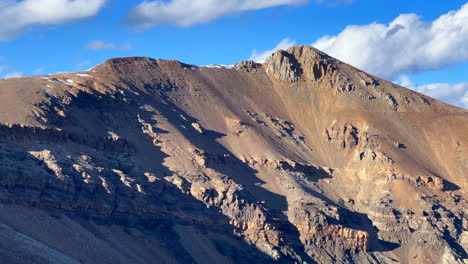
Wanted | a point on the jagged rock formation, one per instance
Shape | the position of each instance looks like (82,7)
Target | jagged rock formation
(302,159)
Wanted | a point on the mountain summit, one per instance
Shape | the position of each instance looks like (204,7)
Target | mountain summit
(301,159)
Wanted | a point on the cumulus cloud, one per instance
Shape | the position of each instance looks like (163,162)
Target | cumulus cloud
(102,45)
(405,45)
(453,94)
(189,12)
(262,56)
(16,16)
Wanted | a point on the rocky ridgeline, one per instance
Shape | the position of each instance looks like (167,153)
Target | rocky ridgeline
(309,65)
(308,172)
(15,132)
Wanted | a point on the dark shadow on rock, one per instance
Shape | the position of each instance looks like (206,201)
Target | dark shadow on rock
(34,183)
(447,185)
(357,221)
(223,161)
(455,246)
(458,223)
(450,186)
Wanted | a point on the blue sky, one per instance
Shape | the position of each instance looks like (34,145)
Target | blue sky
(49,36)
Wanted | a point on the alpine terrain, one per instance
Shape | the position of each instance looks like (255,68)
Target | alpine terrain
(301,159)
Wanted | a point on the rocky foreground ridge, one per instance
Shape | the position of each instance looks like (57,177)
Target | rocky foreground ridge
(301,159)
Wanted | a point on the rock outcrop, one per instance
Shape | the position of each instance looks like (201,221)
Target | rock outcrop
(301,159)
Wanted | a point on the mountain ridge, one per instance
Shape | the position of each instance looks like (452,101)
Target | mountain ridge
(304,157)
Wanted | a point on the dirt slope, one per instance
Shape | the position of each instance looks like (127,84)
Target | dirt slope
(301,159)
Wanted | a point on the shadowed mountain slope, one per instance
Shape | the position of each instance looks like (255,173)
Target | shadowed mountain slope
(300,159)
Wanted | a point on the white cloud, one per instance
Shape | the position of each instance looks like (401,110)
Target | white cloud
(405,45)
(189,12)
(13,75)
(453,94)
(261,57)
(16,16)
(102,45)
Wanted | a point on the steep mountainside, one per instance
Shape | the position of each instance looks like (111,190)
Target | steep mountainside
(303,159)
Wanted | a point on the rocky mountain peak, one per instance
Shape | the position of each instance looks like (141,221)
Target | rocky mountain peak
(302,159)
(299,63)
(247,66)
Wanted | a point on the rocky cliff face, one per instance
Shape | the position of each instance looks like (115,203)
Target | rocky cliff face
(303,159)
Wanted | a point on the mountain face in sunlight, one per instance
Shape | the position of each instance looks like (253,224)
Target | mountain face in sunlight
(301,159)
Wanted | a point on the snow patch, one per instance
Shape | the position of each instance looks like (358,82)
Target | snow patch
(214,66)
(219,66)
(83,75)
(190,68)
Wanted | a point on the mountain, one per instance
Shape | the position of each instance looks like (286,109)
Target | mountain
(301,159)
